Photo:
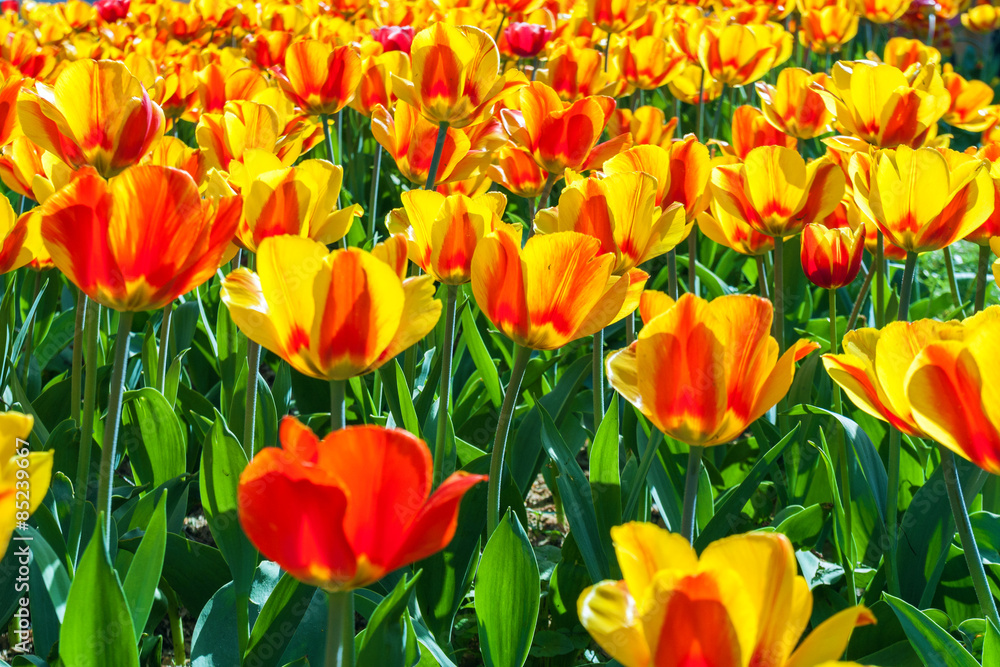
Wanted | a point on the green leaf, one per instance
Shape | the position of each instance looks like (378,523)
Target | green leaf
(97,629)
(276,623)
(54,575)
(408,412)
(932,643)
(384,641)
(578,502)
(729,511)
(507,595)
(144,572)
(605,480)
(153,437)
(481,357)
(222,461)
(991,644)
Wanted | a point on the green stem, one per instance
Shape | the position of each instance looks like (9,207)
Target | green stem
(436,158)
(77,366)
(907,286)
(176,627)
(949,265)
(29,339)
(981,270)
(496,37)
(701,109)
(340,629)
(845,475)
(373,196)
(645,463)
(630,328)
(243,622)
(161,361)
(521,357)
(691,492)
(543,200)
(718,115)
(762,277)
(597,371)
(607,52)
(250,414)
(862,293)
(880,284)
(677,115)
(338,411)
(693,261)
(891,503)
(445,388)
(779,293)
(324,120)
(91,328)
(113,420)
(964,526)
(672,288)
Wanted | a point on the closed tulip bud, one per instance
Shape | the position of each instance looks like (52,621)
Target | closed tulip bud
(343,512)
(318,78)
(751,129)
(11,6)
(526,40)
(112,10)
(983,19)
(831,258)
(394,37)
(793,106)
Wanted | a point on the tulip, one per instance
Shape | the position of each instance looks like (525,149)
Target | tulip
(752,129)
(342,512)
(96,114)
(620,211)
(11,6)
(28,57)
(983,19)
(455,75)
(10,85)
(739,603)
(826,29)
(376,85)
(615,16)
(710,369)
(112,10)
(20,470)
(879,106)
(318,78)
(732,232)
(883,11)
(575,73)
(690,87)
(267,49)
(559,135)
(831,257)
(219,85)
(31,171)
(393,251)
(394,38)
(793,105)
(242,128)
(736,55)
(526,40)
(170,152)
(325,328)
(648,126)
(443,232)
(776,192)
(299,200)
(904,54)
(969,102)
(648,62)
(515,169)
(14,253)
(682,172)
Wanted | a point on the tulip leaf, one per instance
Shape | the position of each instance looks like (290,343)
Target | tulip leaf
(144,572)
(932,643)
(384,641)
(97,629)
(276,623)
(727,514)
(153,437)
(578,501)
(605,479)
(481,357)
(991,644)
(507,595)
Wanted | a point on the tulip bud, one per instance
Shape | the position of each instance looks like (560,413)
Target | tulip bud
(831,258)
(9,6)
(111,10)
(526,40)
(394,37)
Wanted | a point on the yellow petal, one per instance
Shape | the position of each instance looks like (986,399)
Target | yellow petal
(829,640)
(608,613)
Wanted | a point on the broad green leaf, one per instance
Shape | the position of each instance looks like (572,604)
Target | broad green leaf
(932,643)
(991,644)
(507,595)
(153,437)
(605,480)
(97,628)
(481,357)
(276,623)
(384,641)
(144,572)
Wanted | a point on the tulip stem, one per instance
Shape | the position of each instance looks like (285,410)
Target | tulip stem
(176,627)
(250,415)
(607,51)
(630,328)
(161,362)
(543,200)
(701,109)
(373,196)
(91,327)
(693,261)
(779,293)
(340,629)
(436,158)
(964,526)
(891,503)
(862,293)
(762,277)
(445,388)
(907,286)
(29,339)
(328,137)
(691,492)
(338,410)
(880,284)
(672,288)
(949,266)
(113,420)
(845,474)
(521,357)
(597,373)
(77,367)
(718,113)
(984,265)
(503,17)
(677,115)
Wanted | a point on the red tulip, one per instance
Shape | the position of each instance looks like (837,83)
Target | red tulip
(112,10)
(394,37)
(526,40)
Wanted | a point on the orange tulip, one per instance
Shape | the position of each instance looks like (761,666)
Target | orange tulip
(23,51)
(267,48)
(952,387)
(319,78)
(410,139)
(172,152)
(831,257)
(903,53)
(615,16)
(559,135)
(375,87)
(736,55)
(576,72)
(776,192)
(558,288)
(752,129)
(741,602)
(244,126)
(443,232)
(342,512)
(218,85)
(689,87)
(709,369)
(332,329)
(731,232)
(983,19)
(946,195)
(969,101)
(393,251)
(648,125)
(515,169)
(31,171)
(140,240)
(883,11)
(455,78)
(648,62)
(826,29)
(96,114)
(793,106)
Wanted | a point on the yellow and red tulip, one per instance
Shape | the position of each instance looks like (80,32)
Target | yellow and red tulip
(883,11)
(648,126)
(793,106)
(732,232)
(983,19)
(648,62)
(826,29)
(319,78)
(515,169)
(736,55)
(375,87)
(752,129)
(831,256)
(244,126)
(969,101)
(15,427)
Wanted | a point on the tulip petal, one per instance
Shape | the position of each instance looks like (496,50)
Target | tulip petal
(609,614)
(643,549)
(829,640)
(653,303)
(420,314)
(498,281)
(244,297)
